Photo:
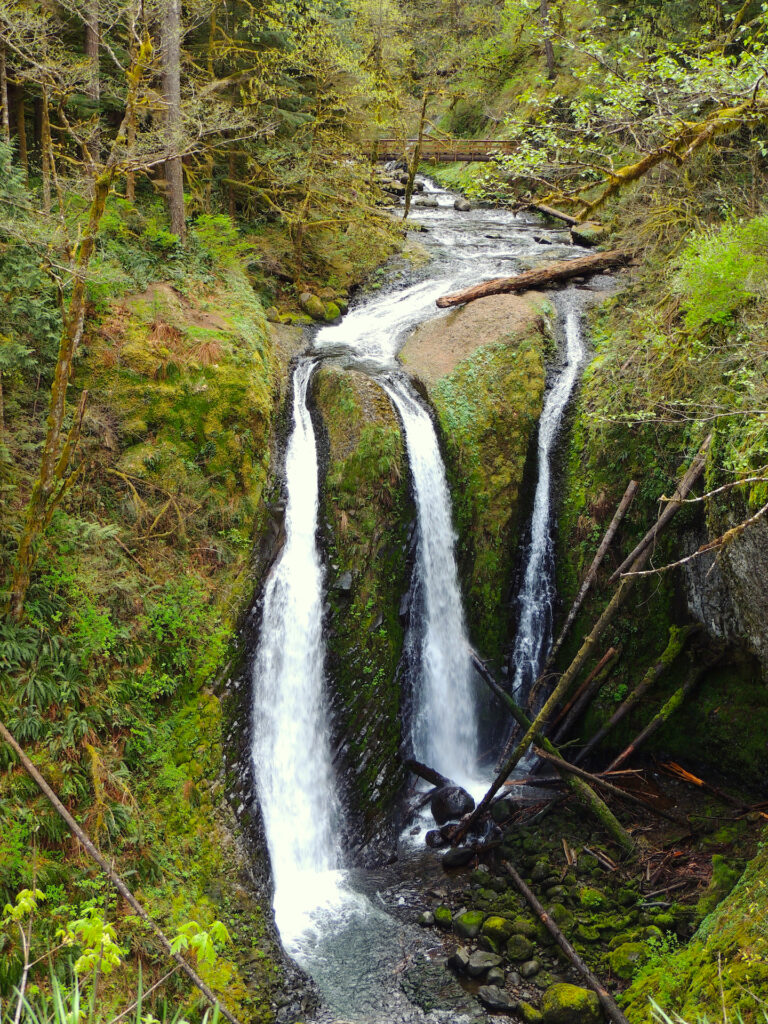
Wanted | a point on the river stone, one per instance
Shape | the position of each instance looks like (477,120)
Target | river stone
(458,857)
(467,925)
(530,968)
(541,870)
(519,948)
(570,1004)
(480,962)
(312,305)
(331,312)
(562,916)
(427,203)
(462,205)
(434,839)
(525,926)
(495,976)
(443,917)
(449,803)
(427,919)
(459,960)
(497,929)
(529,1013)
(494,998)
(589,233)
(624,959)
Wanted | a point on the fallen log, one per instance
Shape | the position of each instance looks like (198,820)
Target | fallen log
(585,694)
(666,711)
(607,1001)
(581,790)
(113,876)
(610,533)
(596,780)
(681,492)
(550,211)
(541,277)
(426,773)
(677,641)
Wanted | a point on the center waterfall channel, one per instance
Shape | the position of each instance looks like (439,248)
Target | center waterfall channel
(341,924)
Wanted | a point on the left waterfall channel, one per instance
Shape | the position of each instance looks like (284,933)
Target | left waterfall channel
(291,735)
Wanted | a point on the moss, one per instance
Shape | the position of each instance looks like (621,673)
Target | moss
(443,917)
(519,948)
(467,925)
(497,929)
(570,1004)
(367,508)
(488,408)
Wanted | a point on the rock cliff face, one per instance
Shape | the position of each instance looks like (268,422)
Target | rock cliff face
(367,517)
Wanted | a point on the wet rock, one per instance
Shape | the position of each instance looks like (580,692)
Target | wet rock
(459,960)
(497,929)
(427,203)
(530,968)
(449,803)
(519,948)
(468,924)
(589,233)
(443,917)
(344,582)
(502,809)
(331,312)
(495,977)
(434,839)
(529,1013)
(480,962)
(458,857)
(462,205)
(624,959)
(312,305)
(427,919)
(446,831)
(570,1004)
(494,998)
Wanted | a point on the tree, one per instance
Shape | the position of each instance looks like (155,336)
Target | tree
(171,59)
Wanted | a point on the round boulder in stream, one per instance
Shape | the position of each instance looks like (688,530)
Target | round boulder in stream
(449,803)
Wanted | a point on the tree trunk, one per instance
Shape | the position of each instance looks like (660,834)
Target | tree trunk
(6,114)
(560,270)
(586,693)
(174,171)
(416,157)
(130,177)
(93,88)
(677,641)
(549,52)
(45,150)
(21,129)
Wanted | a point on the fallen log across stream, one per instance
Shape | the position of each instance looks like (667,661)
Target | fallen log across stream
(541,277)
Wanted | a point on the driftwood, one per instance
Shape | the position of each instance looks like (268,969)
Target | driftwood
(113,876)
(677,641)
(610,533)
(681,491)
(666,711)
(607,1002)
(598,780)
(581,790)
(559,270)
(586,692)
(426,773)
(588,646)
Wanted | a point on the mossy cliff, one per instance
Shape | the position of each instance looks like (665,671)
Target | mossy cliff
(366,514)
(483,367)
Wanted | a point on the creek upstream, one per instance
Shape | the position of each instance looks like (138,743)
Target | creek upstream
(350,929)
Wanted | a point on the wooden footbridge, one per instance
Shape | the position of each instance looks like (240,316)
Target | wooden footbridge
(439,151)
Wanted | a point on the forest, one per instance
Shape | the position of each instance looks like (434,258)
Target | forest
(383,511)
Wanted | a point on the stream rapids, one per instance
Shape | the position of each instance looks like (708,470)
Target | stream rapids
(350,929)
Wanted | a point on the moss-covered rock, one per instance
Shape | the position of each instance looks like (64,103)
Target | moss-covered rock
(519,948)
(570,1004)
(626,958)
(468,924)
(443,917)
(367,511)
(497,929)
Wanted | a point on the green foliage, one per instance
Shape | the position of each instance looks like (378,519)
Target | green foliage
(721,270)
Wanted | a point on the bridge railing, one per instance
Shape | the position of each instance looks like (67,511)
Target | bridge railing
(439,150)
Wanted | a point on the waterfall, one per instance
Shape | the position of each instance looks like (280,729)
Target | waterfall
(291,740)
(537,593)
(444,716)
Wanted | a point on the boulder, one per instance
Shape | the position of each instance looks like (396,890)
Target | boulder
(530,968)
(443,917)
(434,839)
(519,948)
(331,312)
(502,809)
(462,205)
(589,233)
(458,857)
(497,929)
(541,870)
(480,962)
(312,305)
(570,1004)
(496,999)
(344,582)
(624,959)
(449,803)
(495,977)
(529,1013)
(427,203)
(468,924)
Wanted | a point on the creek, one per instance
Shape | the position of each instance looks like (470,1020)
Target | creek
(348,928)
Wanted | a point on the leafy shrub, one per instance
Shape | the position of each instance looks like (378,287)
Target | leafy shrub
(721,270)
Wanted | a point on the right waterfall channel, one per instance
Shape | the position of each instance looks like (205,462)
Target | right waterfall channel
(332,919)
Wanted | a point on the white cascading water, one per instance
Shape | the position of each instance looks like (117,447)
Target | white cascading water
(537,593)
(444,716)
(291,739)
